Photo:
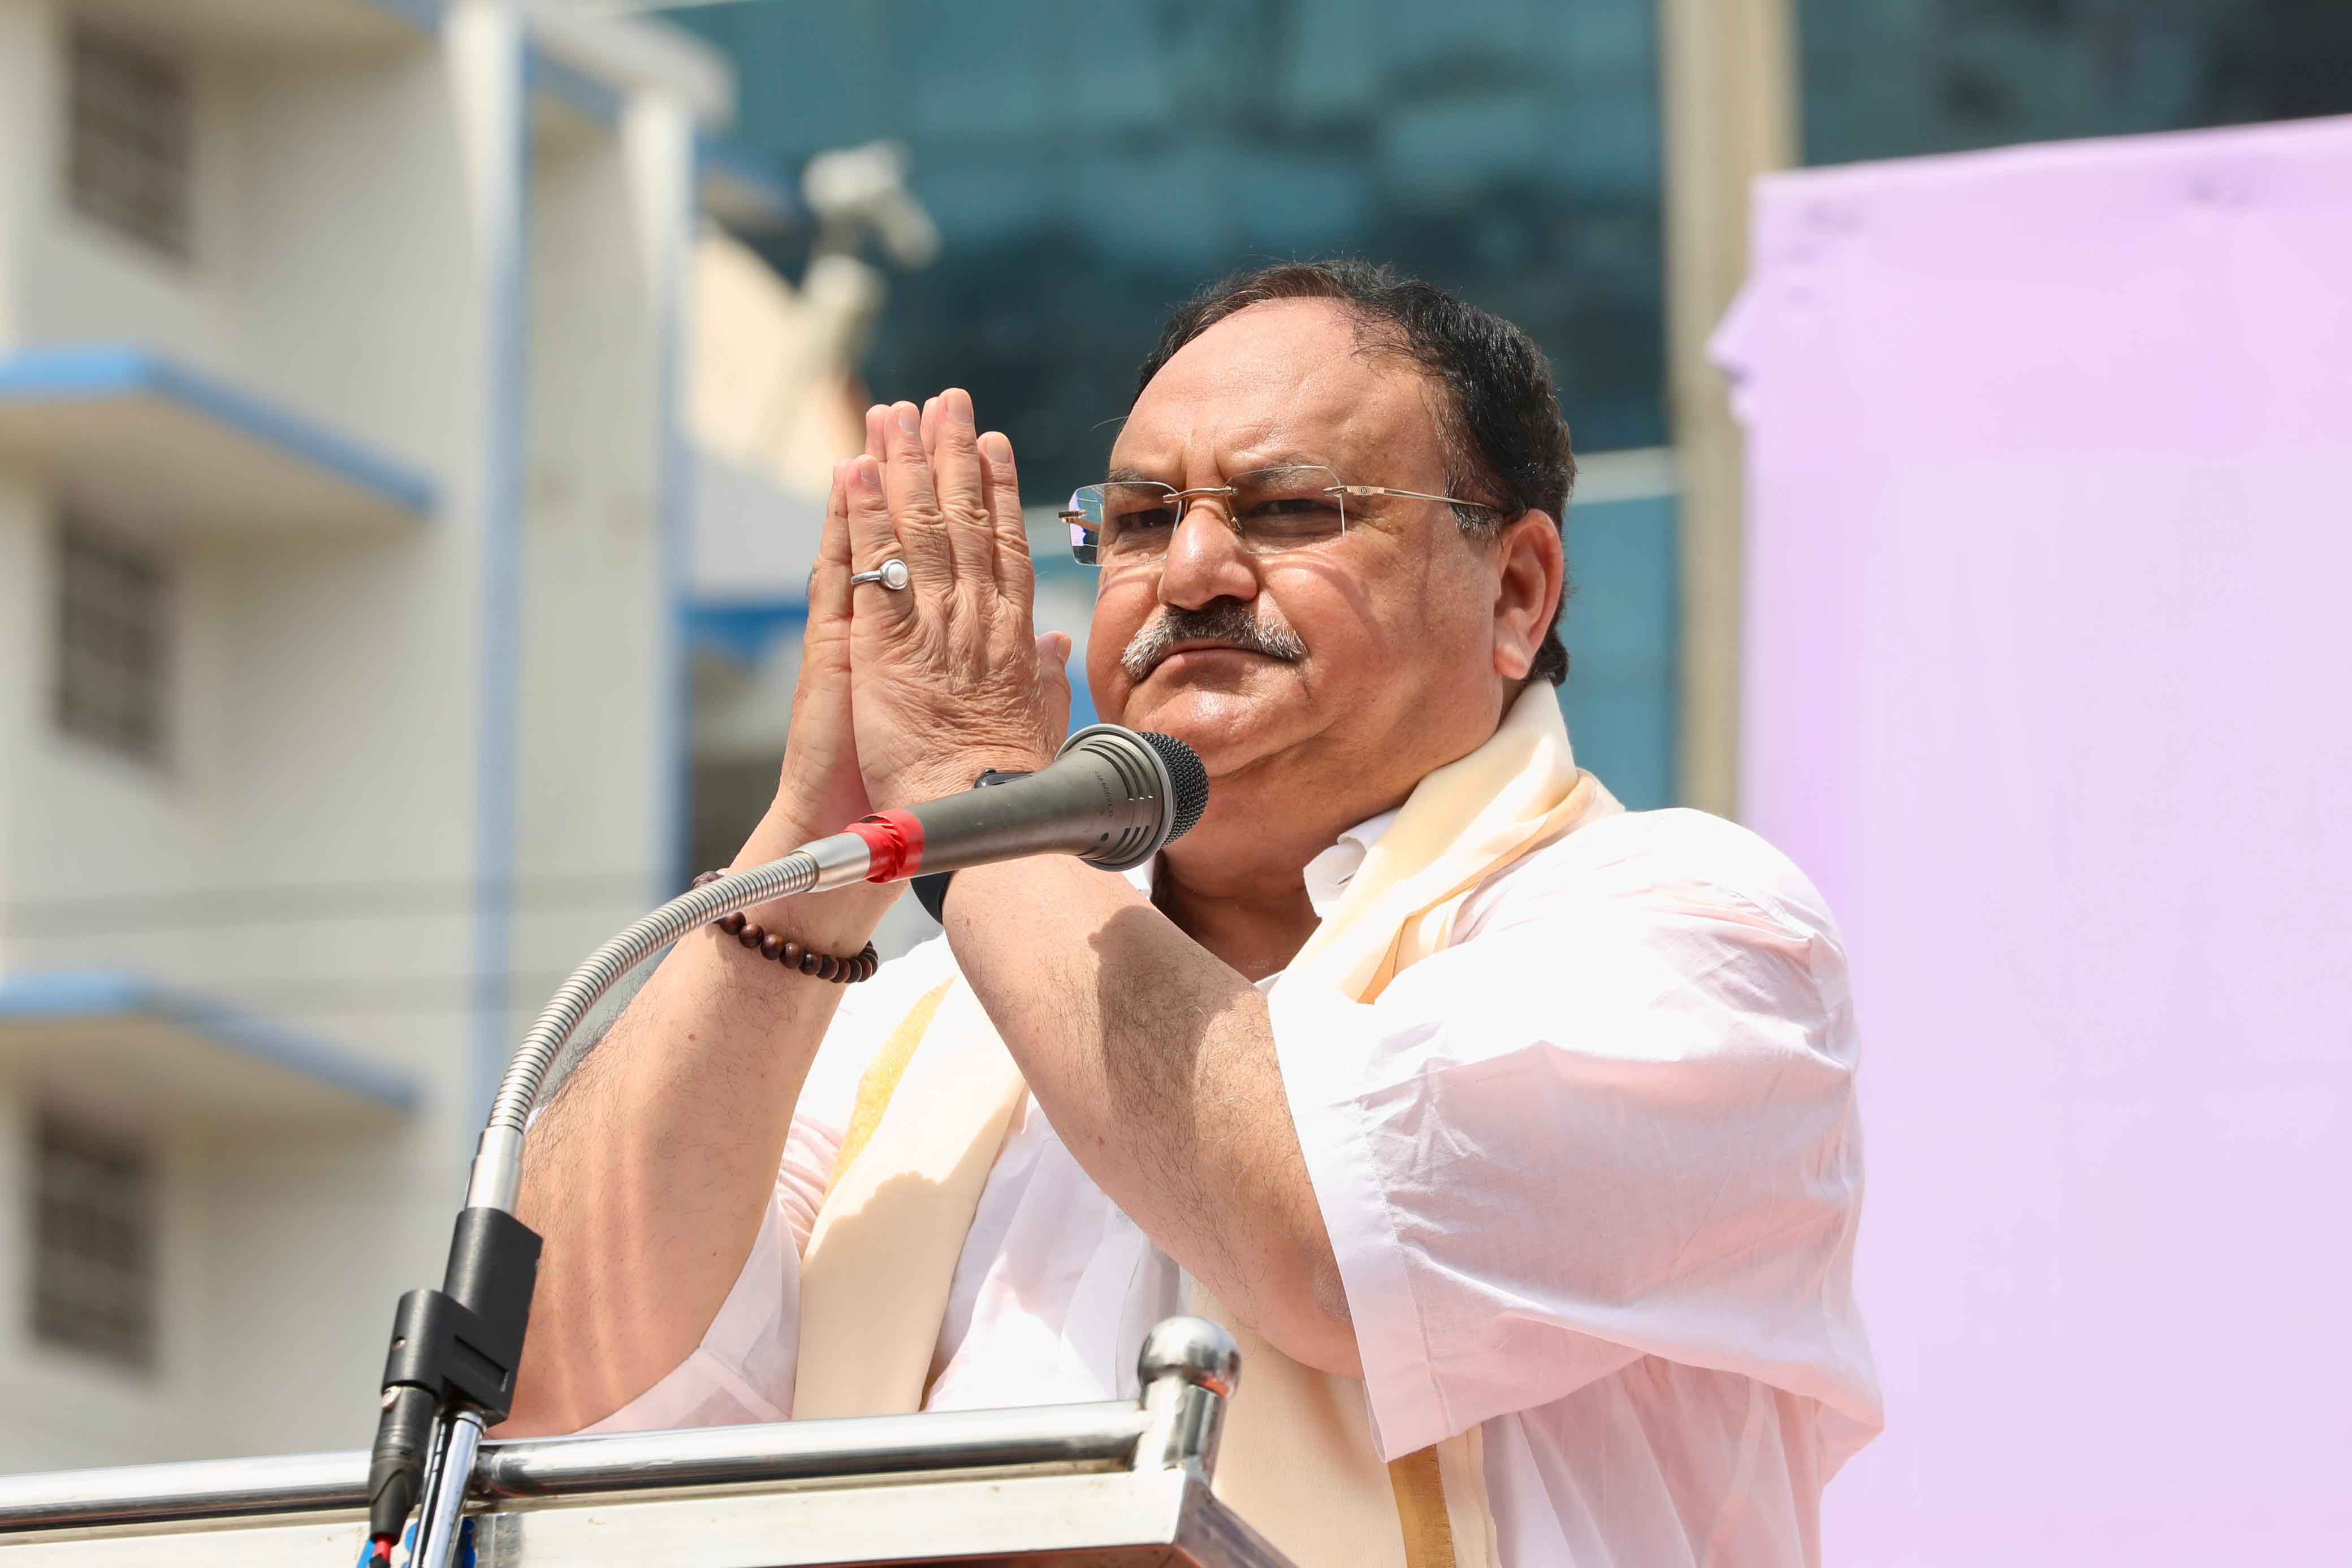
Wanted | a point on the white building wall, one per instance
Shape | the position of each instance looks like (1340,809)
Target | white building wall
(367,302)
(595,604)
(25,54)
(329,751)
(24,522)
(63,1410)
(361,761)
(82,282)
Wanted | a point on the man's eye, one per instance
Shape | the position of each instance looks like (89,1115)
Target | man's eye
(1294,512)
(1147,521)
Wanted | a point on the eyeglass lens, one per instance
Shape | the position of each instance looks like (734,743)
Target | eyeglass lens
(1270,510)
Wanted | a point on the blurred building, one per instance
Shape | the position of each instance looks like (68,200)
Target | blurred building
(342,542)
(1893,81)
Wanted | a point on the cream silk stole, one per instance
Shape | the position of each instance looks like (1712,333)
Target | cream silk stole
(1297,1459)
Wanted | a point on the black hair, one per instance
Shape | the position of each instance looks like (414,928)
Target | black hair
(1497,415)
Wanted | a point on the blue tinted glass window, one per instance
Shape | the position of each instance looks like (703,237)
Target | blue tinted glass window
(1090,164)
(1888,79)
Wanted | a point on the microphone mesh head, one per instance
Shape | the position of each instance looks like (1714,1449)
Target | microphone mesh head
(1190,779)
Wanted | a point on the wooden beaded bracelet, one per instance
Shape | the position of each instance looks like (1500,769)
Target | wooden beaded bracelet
(791,955)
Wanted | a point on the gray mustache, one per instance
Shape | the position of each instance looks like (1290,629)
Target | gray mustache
(1228,621)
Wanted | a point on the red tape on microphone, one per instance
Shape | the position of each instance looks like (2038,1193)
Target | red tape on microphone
(894,839)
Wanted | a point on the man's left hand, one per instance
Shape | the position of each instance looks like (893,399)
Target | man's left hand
(948,677)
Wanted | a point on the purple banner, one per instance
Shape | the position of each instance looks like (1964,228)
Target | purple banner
(2048,635)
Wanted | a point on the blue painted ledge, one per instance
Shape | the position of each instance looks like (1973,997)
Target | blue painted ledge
(741,630)
(60,998)
(90,372)
(424,16)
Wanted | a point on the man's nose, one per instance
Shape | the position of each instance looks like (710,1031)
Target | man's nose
(1205,562)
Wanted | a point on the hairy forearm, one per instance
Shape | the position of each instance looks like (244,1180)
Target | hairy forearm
(650,1172)
(1155,1062)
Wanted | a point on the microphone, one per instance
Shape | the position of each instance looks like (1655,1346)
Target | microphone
(1113,797)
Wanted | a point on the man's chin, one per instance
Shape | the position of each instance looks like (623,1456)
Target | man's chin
(1229,729)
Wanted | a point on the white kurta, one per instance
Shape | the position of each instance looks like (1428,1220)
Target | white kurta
(1591,1174)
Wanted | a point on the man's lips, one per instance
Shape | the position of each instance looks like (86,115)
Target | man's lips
(1184,652)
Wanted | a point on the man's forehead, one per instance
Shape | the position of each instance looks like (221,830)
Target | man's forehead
(1274,383)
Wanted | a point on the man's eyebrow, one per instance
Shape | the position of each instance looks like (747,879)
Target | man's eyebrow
(1282,460)
(1122,475)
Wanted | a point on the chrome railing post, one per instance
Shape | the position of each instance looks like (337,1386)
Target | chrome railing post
(1189,1366)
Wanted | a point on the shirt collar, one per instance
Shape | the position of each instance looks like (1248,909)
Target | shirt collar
(1328,873)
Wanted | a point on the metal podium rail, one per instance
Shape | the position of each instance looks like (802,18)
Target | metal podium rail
(1069,1486)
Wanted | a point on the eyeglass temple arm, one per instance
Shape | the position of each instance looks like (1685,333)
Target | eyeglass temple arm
(1412,495)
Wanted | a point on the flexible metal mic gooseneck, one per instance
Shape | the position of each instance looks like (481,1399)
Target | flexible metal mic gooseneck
(1113,797)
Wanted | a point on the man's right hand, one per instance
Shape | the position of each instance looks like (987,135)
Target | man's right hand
(820,782)
(819,789)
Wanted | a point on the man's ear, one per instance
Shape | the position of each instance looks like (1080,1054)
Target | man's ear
(1526,592)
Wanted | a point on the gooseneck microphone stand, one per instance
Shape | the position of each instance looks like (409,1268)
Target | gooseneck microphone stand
(450,1372)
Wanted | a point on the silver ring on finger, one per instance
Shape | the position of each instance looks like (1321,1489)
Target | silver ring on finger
(892,574)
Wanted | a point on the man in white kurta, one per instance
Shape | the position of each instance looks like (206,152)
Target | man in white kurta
(1602,1150)
(1589,1172)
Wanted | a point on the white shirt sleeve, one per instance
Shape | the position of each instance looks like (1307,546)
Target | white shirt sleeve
(1615,1120)
(742,1370)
